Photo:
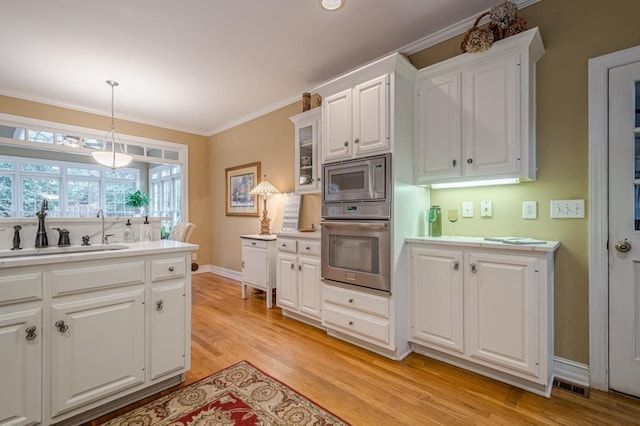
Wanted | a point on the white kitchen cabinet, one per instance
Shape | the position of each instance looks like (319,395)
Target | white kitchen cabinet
(356,121)
(308,142)
(97,347)
(259,264)
(299,277)
(475,114)
(487,307)
(96,313)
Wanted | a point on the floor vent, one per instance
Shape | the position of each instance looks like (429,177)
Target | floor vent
(571,387)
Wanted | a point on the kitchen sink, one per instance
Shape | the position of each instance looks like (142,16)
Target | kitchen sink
(59,250)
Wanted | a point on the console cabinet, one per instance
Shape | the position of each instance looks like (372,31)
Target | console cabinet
(475,114)
(113,328)
(259,264)
(487,308)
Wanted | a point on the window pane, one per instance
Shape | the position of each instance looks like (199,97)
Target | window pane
(12,132)
(637,157)
(6,165)
(175,170)
(637,104)
(34,190)
(167,189)
(165,172)
(116,193)
(154,152)
(6,196)
(122,174)
(93,143)
(69,140)
(155,196)
(171,155)
(40,168)
(78,171)
(135,150)
(83,198)
(41,136)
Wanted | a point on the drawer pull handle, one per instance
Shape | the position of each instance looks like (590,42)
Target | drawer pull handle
(31,333)
(253,243)
(350,300)
(284,245)
(350,322)
(243,264)
(61,326)
(170,268)
(308,248)
(159,305)
(292,266)
(474,269)
(356,140)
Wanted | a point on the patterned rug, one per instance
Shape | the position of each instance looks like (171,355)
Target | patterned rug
(238,395)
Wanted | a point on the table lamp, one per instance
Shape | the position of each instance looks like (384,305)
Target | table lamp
(266,190)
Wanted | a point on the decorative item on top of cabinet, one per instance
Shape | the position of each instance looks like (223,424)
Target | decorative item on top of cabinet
(486,307)
(475,114)
(307,151)
(503,22)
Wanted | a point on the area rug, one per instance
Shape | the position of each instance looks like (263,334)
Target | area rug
(238,395)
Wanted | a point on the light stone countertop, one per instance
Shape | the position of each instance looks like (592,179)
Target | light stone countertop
(548,246)
(133,249)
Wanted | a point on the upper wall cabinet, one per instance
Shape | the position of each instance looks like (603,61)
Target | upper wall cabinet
(475,114)
(358,111)
(308,142)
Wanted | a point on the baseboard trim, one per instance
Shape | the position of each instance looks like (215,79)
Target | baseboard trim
(218,270)
(571,371)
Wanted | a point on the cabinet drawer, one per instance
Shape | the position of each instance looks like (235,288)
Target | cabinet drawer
(364,302)
(287,245)
(165,269)
(311,248)
(92,277)
(358,323)
(254,243)
(20,288)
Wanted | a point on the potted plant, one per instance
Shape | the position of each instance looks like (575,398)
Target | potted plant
(138,200)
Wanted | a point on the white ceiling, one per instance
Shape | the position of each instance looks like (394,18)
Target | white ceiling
(201,66)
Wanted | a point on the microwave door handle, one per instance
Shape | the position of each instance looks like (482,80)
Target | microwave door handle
(356,225)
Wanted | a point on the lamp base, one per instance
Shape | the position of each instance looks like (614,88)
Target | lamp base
(264,221)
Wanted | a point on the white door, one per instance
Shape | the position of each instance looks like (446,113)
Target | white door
(309,272)
(168,330)
(371,117)
(336,127)
(624,223)
(254,265)
(286,272)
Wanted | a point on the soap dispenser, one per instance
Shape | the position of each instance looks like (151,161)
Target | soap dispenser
(127,235)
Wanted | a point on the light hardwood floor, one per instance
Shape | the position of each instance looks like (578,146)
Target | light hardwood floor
(364,388)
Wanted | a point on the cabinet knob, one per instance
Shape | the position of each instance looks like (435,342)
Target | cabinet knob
(284,245)
(356,140)
(243,264)
(454,162)
(170,268)
(253,243)
(456,265)
(307,248)
(292,266)
(31,333)
(159,305)
(350,300)
(61,326)
(350,322)
(469,160)
(299,267)
(346,144)
(474,269)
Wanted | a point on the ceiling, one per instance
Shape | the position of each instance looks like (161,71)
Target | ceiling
(201,66)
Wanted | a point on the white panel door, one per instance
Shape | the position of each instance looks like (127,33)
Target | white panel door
(97,348)
(254,265)
(337,143)
(309,276)
(503,311)
(286,277)
(21,367)
(438,115)
(492,111)
(436,316)
(168,337)
(371,116)
(624,224)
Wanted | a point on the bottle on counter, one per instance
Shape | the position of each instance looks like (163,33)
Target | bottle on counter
(145,230)
(127,235)
(434,217)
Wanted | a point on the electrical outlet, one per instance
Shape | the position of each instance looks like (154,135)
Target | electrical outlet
(194,256)
(486,208)
(529,210)
(567,209)
(467,209)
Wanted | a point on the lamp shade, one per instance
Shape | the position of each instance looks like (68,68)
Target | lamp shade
(112,159)
(265,189)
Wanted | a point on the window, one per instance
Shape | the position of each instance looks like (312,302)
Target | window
(73,189)
(166,191)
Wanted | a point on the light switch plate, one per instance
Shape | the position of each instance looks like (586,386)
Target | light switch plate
(567,209)
(467,209)
(529,210)
(486,208)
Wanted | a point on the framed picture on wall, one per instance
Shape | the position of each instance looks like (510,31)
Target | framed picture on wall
(239,181)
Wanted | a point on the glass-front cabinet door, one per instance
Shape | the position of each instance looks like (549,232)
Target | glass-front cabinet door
(307,140)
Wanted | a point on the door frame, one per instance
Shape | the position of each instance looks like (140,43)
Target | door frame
(599,208)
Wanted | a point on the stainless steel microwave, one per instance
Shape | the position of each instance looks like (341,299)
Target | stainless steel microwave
(362,179)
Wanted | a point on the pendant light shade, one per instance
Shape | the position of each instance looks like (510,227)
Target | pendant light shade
(331,4)
(112,158)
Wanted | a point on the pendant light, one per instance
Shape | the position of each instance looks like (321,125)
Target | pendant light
(112,158)
(331,4)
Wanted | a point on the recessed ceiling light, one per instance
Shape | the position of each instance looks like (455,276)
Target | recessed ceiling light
(331,4)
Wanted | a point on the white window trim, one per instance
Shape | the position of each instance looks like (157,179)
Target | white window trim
(147,143)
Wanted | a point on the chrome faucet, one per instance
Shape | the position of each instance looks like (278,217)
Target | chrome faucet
(41,235)
(105,237)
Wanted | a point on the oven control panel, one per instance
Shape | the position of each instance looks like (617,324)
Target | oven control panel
(356,210)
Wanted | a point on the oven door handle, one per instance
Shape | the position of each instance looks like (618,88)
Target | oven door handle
(367,225)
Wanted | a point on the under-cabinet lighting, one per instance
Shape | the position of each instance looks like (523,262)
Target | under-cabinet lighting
(475,183)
